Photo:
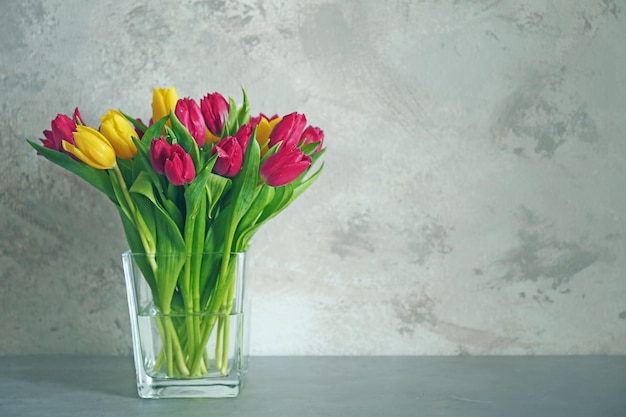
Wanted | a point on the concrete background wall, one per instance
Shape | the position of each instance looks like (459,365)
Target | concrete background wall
(473,200)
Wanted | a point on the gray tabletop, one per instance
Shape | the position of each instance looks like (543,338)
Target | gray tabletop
(330,386)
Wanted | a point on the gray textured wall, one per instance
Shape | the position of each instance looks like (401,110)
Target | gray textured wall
(473,200)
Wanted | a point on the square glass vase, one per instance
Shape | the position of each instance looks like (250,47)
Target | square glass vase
(189,317)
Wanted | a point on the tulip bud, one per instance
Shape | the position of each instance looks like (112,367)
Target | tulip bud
(214,109)
(119,132)
(163,101)
(229,157)
(284,166)
(92,148)
(172,161)
(159,151)
(189,114)
(179,168)
(63,129)
(243,136)
(78,119)
(288,130)
(264,127)
(313,135)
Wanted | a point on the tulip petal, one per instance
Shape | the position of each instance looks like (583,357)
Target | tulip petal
(214,108)
(163,101)
(284,166)
(91,148)
(288,130)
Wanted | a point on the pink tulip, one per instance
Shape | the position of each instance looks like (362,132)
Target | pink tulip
(288,130)
(284,166)
(62,130)
(313,134)
(229,157)
(214,108)
(189,114)
(172,161)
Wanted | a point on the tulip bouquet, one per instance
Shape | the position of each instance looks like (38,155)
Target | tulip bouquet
(199,178)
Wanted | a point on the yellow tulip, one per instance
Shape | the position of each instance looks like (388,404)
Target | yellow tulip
(163,100)
(92,148)
(263,130)
(119,132)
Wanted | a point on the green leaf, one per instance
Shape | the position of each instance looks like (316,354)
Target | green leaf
(145,216)
(246,226)
(309,148)
(232,117)
(144,185)
(237,202)
(167,274)
(195,227)
(132,234)
(142,164)
(316,156)
(243,115)
(298,189)
(126,167)
(138,124)
(306,184)
(167,231)
(282,198)
(154,131)
(119,195)
(245,182)
(98,178)
(196,192)
(216,186)
(134,242)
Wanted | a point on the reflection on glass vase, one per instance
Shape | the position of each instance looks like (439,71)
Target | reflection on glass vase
(189,320)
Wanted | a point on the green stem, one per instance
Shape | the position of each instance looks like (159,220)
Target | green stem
(225,337)
(226,310)
(167,341)
(179,357)
(221,290)
(219,340)
(146,240)
(188,301)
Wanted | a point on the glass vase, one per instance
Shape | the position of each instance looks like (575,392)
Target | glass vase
(189,318)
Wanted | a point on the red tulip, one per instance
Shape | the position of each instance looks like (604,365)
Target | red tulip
(172,161)
(189,114)
(229,157)
(288,130)
(159,151)
(214,108)
(284,166)
(62,130)
(312,135)
(78,119)
(243,136)
(179,168)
